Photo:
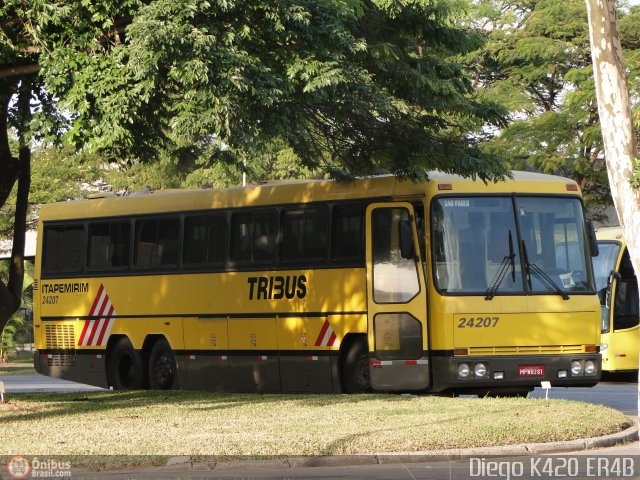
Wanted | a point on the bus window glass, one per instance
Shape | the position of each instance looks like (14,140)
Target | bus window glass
(204,239)
(157,242)
(346,233)
(604,265)
(625,311)
(63,248)
(253,237)
(474,240)
(397,335)
(395,279)
(109,244)
(553,235)
(304,234)
(264,236)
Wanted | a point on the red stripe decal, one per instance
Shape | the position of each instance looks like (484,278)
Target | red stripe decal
(325,327)
(103,306)
(332,339)
(95,301)
(104,327)
(84,331)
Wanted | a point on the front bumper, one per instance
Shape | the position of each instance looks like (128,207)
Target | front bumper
(513,371)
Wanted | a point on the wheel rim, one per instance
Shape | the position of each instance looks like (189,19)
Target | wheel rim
(126,371)
(163,371)
(361,373)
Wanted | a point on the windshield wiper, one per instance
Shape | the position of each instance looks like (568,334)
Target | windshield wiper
(540,274)
(507,261)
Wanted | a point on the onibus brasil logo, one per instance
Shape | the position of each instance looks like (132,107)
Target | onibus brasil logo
(20,466)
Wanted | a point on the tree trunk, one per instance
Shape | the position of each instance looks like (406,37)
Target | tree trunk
(11,294)
(614,110)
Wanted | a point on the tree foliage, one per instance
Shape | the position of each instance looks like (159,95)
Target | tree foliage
(352,87)
(342,87)
(537,61)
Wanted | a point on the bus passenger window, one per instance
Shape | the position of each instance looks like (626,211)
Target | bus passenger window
(109,244)
(625,312)
(264,236)
(157,242)
(347,239)
(253,237)
(304,234)
(63,248)
(204,240)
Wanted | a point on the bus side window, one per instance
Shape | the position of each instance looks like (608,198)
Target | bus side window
(204,239)
(63,248)
(626,305)
(304,234)
(157,242)
(625,312)
(347,233)
(253,237)
(109,244)
(264,240)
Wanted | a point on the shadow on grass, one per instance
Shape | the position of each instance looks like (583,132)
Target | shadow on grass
(49,405)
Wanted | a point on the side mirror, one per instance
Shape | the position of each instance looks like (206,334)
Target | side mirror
(407,249)
(593,241)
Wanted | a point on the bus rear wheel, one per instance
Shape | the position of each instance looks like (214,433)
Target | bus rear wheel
(163,373)
(356,377)
(125,366)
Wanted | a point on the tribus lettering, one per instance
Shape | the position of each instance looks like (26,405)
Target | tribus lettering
(275,288)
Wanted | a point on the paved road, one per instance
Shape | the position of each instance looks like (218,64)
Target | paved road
(621,395)
(40,383)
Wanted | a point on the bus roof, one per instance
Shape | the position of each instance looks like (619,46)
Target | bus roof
(303,191)
(610,233)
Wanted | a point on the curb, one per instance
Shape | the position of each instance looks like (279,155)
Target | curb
(628,435)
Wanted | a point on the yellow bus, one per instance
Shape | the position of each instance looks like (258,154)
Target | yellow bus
(450,285)
(618,291)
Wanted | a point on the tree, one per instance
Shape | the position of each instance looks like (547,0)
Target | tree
(537,61)
(16,329)
(623,166)
(348,87)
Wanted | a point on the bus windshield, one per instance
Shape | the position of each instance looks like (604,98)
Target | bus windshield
(510,245)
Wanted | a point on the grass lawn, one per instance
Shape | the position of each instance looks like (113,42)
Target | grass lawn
(200,423)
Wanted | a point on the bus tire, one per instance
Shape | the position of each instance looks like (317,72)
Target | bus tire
(163,373)
(356,377)
(125,366)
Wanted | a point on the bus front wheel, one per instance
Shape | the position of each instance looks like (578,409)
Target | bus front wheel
(355,368)
(163,373)
(125,366)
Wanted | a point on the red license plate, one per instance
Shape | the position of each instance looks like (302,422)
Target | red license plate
(531,370)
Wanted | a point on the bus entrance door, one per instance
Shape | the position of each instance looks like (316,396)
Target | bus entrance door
(396,299)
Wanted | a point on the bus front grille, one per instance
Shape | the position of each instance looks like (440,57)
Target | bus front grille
(60,337)
(527,350)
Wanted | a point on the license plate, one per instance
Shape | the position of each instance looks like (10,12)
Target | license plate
(531,370)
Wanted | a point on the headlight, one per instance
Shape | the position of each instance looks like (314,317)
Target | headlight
(589,367)
(463,370)
(480,370)
(576,368)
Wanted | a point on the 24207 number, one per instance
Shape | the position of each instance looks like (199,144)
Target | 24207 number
(478,322)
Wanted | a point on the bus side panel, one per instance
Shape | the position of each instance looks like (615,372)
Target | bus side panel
(622,350)
(253,345)
(206,355)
